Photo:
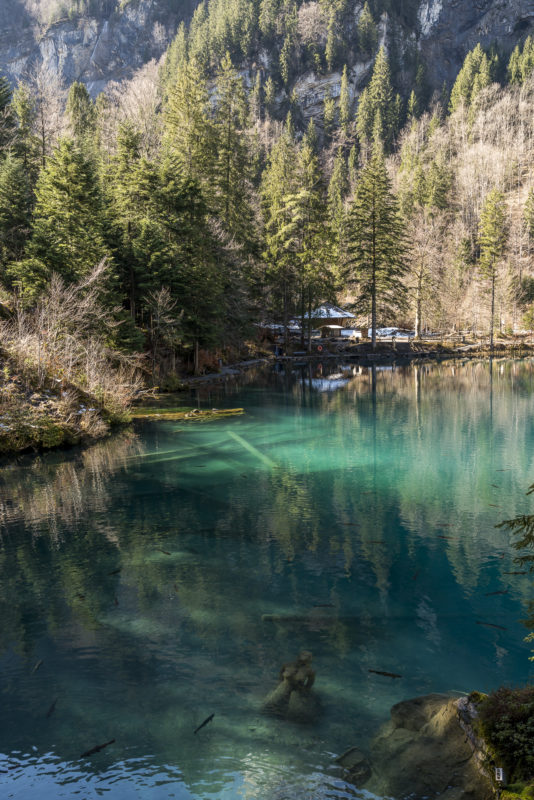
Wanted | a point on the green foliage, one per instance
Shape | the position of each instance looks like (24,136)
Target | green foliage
(507,723)
(367,32)
(7,122)
(67,235)
(377,117)
(492,232)
(81,114)
(528,213)
(344,103)
(376,243)
(232,166)
(26,143)
(329,115)
(15,211)
(521,62)
(477,72)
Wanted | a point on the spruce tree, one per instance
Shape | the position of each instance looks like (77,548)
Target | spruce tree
(329,114)
(476,73)
(493,236)
(26,142)
(367,32)
(131,184)
(344,103)
(7,123)
(15,211)
(232,166)
(378,111)
(279,180)
(81,114)
(528,214)
(376,244)
(67,235)
(338,189)
(189,132)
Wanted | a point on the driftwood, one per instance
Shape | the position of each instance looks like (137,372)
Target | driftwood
(202,724)
(196,415)
(96,749)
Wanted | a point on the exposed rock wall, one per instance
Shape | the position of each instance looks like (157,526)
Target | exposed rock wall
(113,45)
(423,752)
(92,50)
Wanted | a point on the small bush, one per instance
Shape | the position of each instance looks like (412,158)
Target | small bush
(507,725)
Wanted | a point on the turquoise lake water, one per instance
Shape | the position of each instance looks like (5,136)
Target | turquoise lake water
(166,574)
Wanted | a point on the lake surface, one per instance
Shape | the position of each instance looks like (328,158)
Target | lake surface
(166,574)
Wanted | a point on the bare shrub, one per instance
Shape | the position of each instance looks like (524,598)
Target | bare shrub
(312,24)
(66,336)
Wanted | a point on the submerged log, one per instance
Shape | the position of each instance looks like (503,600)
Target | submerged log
(196,415)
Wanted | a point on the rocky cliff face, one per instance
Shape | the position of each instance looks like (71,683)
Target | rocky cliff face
(450,28)
(112,45)
(94,50)
(423,753)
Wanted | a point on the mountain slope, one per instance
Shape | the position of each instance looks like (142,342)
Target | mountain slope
(96,41)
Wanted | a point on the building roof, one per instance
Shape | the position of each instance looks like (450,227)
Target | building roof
(328,311)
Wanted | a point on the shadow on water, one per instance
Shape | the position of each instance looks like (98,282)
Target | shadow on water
(166,574)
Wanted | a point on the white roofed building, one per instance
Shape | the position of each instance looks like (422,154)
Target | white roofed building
(330,314)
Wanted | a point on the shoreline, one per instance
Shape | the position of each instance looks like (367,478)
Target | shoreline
(385,355)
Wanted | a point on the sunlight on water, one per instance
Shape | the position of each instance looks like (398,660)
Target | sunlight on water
(165,575)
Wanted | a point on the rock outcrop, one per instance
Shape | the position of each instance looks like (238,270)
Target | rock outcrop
(123,37)
(423,752)
(95,50)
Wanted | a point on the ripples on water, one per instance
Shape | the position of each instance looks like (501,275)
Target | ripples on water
(166,574)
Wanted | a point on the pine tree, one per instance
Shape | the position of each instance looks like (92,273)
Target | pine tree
(376,242)
(81,114)
(131,185)
(279,180)
(255,100)
(7,123)
(26,142)
(67,235)
(493,236)
(232,167)
(377,111)
(189,131)
(270,96)
(528,214)
(302,237)
(15,211)
(338,189)
(476,73)
(329,115)
(175,57)
(367,32)
(285,59)
(344,103)
(521,62)
(331,41)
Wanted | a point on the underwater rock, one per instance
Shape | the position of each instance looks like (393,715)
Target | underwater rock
(357,765)
(423,752)
(293,698)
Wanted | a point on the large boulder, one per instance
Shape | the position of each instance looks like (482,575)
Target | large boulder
(423,752)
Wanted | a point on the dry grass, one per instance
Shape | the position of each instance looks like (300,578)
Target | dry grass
(65,338)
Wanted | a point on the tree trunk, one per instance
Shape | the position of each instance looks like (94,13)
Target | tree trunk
(373,293)
(309,322)
(492,306)
(302,307)
(195,367)
(418,309)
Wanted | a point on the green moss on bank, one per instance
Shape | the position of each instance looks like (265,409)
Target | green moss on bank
(506,723)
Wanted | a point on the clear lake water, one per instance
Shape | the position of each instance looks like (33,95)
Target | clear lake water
(167,573)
